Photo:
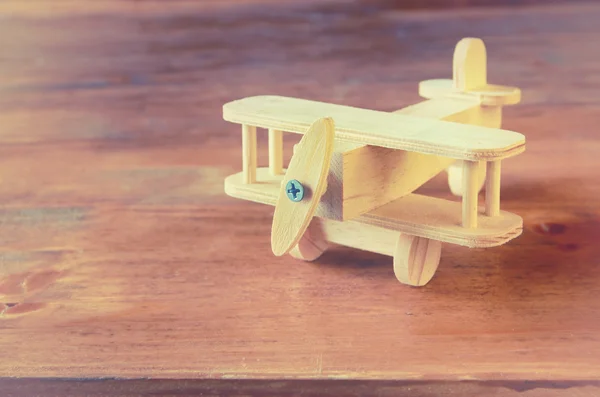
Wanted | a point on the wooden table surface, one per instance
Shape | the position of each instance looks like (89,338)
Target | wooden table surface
(121,256)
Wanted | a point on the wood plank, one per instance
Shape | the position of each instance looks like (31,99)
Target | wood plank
(488,95)
(260,388)
(454,110)
(414,214)
(122,257)
(376,128)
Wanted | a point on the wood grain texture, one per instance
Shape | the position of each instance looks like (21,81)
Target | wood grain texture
(490,95)
(374,176)
(469,78)
(377,128)
(249,153)
(492,188)
(308,388)
(275,152)
(416,259)
(469,65)
(363,177)
(312,244)
(308,169)
(458,111)
(122,256)
(416,214)
(470,193)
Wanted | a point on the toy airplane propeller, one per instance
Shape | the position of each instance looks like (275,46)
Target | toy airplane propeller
(352,176)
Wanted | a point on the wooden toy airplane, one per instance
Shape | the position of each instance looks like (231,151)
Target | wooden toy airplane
(352,176)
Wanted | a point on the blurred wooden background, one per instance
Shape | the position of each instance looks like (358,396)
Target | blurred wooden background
(418,4)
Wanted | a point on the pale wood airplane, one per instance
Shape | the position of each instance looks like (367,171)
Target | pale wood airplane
(352,176)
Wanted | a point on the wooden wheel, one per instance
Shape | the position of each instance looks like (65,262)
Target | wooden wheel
(312,244)
(416,259)
(303,185)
